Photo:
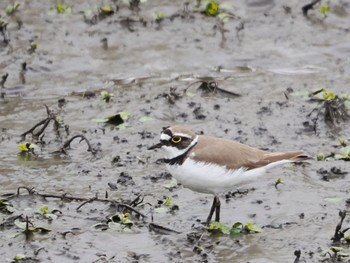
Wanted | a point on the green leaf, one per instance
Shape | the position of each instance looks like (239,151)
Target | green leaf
(329,96)
(11,209)
(41,229)
(119,227)
(106,9)
(106,96)
(126,221)
(303,94)
(125,115)
(33,45)
(44,210)
(345,151)
(3,201)
(159,16)
(278,181)
(343,142)
(24,147)
(343,254)
(219,227)
(212,8)
(224,17)
(12,8)
(237,225)
(320,157)
(60,8)
(335,249)
(50,216)
(251,228)
(236,229)
(324,253)
(20,224)
(161,210)
(19,257)
(167,202)
(333,200)
(146,119)
(170,184)
(324,9)
(122,219)
(3,22)
(115,226)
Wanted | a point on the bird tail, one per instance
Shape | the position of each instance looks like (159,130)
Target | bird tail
(295,156)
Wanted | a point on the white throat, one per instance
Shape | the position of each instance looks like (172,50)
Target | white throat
(171,152)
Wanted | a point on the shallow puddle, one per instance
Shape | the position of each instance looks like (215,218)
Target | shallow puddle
(269,54)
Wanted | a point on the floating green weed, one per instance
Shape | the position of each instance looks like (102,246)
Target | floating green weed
(212,8)
(324,10)
(106,96)
(330,105)
(107,10)
(278,181)
(335,253)
(165,206)
(50,215)
(64,9)
(342,154)
(29,229)
(11,9)
(115,119)
(236,229)
(159,16)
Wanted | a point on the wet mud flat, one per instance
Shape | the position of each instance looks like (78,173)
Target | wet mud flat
(84,188)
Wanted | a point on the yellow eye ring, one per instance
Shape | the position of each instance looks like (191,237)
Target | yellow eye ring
(176,139)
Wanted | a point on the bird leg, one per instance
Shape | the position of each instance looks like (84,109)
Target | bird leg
(215,207)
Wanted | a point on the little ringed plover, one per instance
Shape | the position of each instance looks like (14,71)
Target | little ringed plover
(213,165)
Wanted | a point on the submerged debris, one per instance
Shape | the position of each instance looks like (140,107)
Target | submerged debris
(209,86)
(161,229)
(309,6)
(39,128)
(3,30)
(339,232)
(172,96)
(67,144)
(331,106)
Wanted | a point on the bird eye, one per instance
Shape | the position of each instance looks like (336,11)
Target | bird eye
(176,139)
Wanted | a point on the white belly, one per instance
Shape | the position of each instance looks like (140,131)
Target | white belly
(214,179)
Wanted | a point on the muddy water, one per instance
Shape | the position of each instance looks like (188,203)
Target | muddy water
(275,52)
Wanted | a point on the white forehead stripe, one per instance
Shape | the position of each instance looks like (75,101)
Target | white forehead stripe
(183,135)
(164,137)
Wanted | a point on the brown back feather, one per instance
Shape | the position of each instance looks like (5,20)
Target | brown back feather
(235,155)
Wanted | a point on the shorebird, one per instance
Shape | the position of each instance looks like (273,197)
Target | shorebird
(212,165)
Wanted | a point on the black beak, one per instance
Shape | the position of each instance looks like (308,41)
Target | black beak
(156,146)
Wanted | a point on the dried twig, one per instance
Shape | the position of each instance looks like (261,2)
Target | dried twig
(339,234)
(68,143)
(65,196)
(210,86)
(29,190)
(3,80)
(87,201)
(161,229)
(138,200)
